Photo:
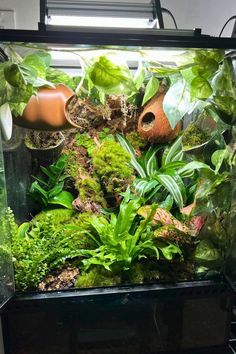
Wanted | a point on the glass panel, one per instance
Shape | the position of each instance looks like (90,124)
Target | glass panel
(6,268)
(130,179)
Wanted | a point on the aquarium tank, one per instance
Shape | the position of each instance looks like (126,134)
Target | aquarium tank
(120,166)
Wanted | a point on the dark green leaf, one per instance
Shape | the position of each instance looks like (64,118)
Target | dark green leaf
(64,198)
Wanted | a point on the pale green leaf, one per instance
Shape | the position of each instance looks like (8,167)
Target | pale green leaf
(177,102)
(139,75)
(151,89)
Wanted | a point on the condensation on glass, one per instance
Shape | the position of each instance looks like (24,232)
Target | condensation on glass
(6,267)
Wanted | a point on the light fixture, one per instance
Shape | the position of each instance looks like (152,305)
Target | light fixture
(111,22)
(95,13)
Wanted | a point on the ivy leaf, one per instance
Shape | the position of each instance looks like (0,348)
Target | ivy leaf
(139,75)
(165,71)
(177,102)
(102,97)
(110,77)
(188,74)
(45,57)
(206,66)
(206,252)
(56,76)
(200,88)
(218,157)
(151,89)
(214,54)
(227,104)
(223,82)
(42,82)
(39,61)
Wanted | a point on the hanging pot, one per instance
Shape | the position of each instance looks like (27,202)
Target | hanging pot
(153,124)
(46,110)
(42,152)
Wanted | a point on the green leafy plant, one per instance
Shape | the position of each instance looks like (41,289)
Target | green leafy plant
(57,77)
(124,239)
(205,80)
(42,246)
(21,77)
(103,77)
(151,89)
(48,189)
(168,177)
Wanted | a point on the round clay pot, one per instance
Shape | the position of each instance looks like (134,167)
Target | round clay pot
(153,124)
(46,110)
(46,154)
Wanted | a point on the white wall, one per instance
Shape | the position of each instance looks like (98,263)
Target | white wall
(26,12)
(210,15)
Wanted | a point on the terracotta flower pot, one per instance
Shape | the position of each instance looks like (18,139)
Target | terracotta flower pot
(48,153)
(153,124)
(46,110)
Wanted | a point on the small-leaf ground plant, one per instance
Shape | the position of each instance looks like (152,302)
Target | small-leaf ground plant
(43,245)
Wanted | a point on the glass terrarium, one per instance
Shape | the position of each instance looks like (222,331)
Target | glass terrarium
(120,189)
(122,163)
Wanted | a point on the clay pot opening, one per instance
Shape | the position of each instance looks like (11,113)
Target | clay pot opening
(148,121)
(153,124)
(45,111)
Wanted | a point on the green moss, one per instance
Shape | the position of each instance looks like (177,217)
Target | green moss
(194,136)
(110,162)
(59,216)
(97,277)
(142,273)
(46,243)
(86,141)
(90,189)
(135,275)
(136,140)
(73,168)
